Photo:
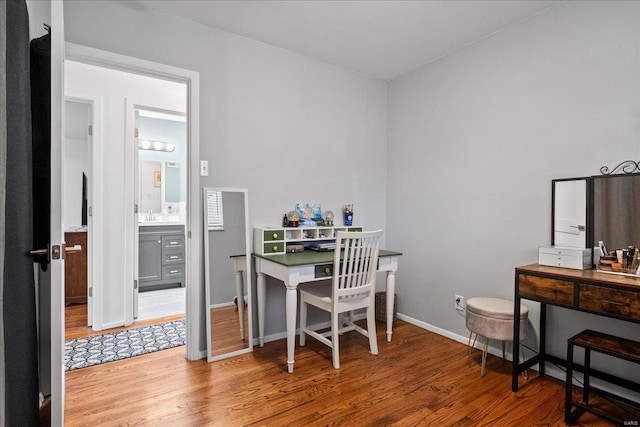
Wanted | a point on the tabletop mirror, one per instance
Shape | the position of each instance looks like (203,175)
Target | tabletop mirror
(616,204)
(227,272)
(570,206)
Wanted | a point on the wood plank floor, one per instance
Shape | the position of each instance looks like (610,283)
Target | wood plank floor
(225,330)
(75,323)
(418,379)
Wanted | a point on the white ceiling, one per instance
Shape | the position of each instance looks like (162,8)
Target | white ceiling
(382,39)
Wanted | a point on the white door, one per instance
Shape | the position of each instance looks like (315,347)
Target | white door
(131,216)
(81,125)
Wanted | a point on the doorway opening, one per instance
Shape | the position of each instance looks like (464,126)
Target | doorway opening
(122,142)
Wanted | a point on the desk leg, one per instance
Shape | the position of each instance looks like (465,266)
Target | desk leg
(391,294)
(292,305)
(261,288)
(240,296)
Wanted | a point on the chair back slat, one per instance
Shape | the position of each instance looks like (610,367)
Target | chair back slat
(355,265)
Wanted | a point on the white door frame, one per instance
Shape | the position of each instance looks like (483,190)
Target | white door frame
(193,277)
(57,237)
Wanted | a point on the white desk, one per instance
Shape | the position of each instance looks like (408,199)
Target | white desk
(310,266)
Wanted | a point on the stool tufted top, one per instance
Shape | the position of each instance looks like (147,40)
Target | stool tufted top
(496,308)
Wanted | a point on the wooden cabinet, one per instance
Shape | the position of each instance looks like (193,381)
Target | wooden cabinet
(75,269)
(161,256)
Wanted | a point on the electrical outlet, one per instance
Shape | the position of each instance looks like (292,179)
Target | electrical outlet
(459,302)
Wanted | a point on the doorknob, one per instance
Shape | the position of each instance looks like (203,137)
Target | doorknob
(55,251)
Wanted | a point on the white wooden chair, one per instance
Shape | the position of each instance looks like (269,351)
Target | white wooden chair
(353,287)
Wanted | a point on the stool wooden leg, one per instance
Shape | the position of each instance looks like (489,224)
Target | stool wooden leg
(469,346)
(503,345)
(484,356)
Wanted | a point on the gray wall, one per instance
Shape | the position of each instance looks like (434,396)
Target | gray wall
(287,127)
(475,140)
(458,172)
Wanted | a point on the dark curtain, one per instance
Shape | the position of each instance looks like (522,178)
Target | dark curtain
(41,137)
(19,307)
(41,158)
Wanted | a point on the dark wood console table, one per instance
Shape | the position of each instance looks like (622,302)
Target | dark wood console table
(590,291)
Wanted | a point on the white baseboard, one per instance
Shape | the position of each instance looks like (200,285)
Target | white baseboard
(224,304)
(448,334)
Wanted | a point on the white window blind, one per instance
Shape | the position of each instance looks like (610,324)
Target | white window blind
(215,212)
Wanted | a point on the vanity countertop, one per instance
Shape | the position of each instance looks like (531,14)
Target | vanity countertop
(159,223)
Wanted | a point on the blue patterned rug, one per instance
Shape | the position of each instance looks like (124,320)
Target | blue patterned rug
(89,351)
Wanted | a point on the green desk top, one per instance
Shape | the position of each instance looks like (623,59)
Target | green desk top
(307,257)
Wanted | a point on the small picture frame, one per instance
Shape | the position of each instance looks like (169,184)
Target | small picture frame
(157,178)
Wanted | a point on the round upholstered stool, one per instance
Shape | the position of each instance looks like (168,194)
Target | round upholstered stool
(492,318)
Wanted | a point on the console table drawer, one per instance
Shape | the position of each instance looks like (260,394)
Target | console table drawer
(546,290)
(325,270)
(611,301)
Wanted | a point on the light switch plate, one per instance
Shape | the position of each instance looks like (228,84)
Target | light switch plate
(204,168)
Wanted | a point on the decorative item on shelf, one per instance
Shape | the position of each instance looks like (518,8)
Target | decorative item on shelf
(293,218)
(327,219)
(347,211)
(310,214)
(285,221)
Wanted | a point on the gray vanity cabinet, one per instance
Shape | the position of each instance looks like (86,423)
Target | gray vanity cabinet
(161,256)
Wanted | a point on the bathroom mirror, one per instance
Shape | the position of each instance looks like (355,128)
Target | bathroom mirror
(160,186)
(162,156)
(227,263)
(570,207)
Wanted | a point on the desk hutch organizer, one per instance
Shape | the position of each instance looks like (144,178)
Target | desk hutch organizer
(272,241)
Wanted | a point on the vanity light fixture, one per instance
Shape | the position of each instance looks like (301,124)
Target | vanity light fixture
(145,144)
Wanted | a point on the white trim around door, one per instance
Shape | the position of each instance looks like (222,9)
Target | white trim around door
(195,322)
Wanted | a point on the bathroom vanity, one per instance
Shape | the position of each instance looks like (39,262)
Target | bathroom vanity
(161,256)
